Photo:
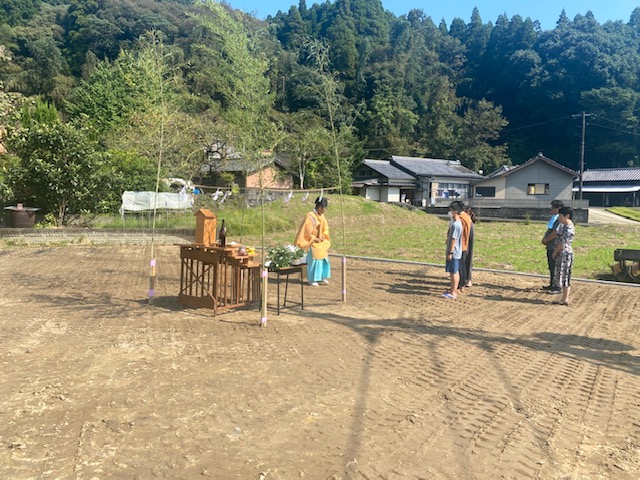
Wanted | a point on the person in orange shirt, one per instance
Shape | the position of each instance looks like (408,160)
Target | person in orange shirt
(313,238)
(467,224)
(468,266)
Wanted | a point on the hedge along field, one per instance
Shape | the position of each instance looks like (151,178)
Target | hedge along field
(362,227)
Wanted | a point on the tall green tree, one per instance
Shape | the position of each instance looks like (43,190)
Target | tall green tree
(44,67)
(613,127)
(342,36)
(478,134)
(15,12)
(113,92)
(238,80)
(306,141)
(137,107)
(293,32)
(337,168)
(390,123)
(59,169)
(9,100)
(159,128)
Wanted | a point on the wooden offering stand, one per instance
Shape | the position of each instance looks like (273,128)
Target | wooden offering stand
(206,222)
(214,276)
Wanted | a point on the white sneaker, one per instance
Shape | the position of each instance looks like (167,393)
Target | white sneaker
(313,284)
(325,282)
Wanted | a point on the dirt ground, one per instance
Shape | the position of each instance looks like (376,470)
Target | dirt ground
(396,382)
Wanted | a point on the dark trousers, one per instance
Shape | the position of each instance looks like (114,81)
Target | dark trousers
(464,269)
(468,265)
(552,267)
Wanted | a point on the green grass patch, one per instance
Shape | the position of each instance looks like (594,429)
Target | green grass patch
(630,213)
(362,227)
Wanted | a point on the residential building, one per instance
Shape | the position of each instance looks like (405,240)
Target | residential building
(533,183)
(607,187)
(420,181)
(224,166)
(381,181)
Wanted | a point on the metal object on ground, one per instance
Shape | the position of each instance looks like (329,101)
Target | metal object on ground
(627,266)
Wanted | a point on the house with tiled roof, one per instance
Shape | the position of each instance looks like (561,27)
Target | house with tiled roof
(381,181)
(609,187)
(537,181)
(420,181)
(224,165)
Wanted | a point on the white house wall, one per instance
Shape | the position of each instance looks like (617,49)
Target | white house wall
(372,193)
(560,183)
(391,194)
(499,184)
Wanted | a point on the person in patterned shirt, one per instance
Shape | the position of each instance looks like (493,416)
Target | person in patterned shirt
(563,253)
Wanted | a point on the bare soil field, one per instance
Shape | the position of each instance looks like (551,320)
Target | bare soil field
(396,382)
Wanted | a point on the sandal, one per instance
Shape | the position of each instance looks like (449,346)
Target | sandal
(561,302)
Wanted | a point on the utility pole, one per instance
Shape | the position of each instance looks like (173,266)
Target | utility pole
(582,156)
(584,125)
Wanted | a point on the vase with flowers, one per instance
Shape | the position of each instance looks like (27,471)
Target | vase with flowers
(283,256)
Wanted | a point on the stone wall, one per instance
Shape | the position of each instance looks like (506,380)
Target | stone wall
(580,215)
(87,236)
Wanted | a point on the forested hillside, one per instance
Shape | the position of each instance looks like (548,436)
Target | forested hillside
(117,87)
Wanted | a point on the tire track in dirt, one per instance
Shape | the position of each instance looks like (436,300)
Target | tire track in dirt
(397,381)
(469,392)
(48,388)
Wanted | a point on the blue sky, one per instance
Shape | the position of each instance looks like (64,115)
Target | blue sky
(545,11)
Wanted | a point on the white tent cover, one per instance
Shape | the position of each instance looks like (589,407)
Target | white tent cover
(144,201)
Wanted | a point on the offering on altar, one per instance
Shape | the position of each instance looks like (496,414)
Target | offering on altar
(284,256)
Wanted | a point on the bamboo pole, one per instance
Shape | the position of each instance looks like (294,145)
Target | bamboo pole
(344,279)
(163,114)
(264,273)
(152,279)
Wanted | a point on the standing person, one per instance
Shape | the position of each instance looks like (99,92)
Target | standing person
(468,263)
(465,219)
(454,250)
(563,253)
(550,240)
(313,238)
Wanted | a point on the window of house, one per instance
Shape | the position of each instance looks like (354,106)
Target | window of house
(538,189)
(486,192)
(452,190)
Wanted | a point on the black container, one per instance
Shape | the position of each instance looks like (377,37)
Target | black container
(21,216)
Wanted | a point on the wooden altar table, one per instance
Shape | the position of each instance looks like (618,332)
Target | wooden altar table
(216,277)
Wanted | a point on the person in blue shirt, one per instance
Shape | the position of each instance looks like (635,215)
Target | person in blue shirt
(550,239)
(454,250)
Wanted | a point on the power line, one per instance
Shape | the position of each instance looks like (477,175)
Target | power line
(536,124)
(591,124)
(584,116)
(612,121)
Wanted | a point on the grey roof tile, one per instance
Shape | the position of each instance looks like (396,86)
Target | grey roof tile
(509,169)
(434,167)
(385,168)
(631,174)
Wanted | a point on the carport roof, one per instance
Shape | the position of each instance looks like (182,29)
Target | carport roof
(612,175)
